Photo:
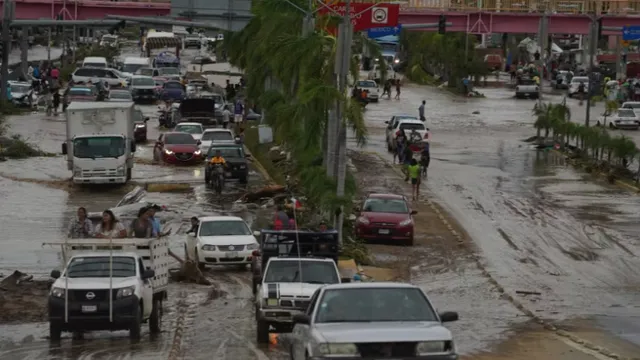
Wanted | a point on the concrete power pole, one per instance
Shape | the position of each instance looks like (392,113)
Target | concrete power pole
(8,14)
(593,41)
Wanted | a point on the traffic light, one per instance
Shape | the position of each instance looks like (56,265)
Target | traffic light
(442,24)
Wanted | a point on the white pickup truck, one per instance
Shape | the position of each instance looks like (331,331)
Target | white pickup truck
(109,285)
(286,288)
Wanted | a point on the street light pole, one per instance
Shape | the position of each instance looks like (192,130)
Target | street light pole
(8,12)
(593,33)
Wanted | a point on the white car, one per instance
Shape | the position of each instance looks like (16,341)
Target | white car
(372,320)
(373,92)
(109,40)
(624,119)
(406,123)
(527,88)
(112,76)
(574,85)
(216,136)
(375,73)
(222,240)
(634,105)
(195,129)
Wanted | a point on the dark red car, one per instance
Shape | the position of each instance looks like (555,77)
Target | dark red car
(385,218)
(178,148)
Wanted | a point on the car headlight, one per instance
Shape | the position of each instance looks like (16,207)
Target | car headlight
(197,152)
(120,170)
(431,347)
(125,292)
(406,222)
(140,126)
(396,61)
(168,152)
(208,248)
(363,220)
(57,292)
(77,171)
(337,349)
(243,167)
(253,246)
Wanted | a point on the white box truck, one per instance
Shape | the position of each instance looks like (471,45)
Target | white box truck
(105,284)
(100,142)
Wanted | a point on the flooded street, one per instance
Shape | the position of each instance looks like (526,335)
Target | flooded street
(537,226)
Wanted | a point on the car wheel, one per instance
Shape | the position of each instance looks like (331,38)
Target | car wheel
(409,242)
(55,331)
(155,321)
(262,332)
(129,171)
(611,126)
(135,329)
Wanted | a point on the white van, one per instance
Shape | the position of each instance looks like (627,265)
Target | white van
(98,62)
(133,64)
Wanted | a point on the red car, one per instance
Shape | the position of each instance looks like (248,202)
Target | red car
(385,217)
(178,148)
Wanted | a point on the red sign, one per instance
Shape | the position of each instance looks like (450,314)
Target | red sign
(366,16)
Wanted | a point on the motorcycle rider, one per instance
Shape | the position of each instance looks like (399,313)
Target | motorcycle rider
(217,159)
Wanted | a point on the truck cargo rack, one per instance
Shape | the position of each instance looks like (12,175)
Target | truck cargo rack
(154,254)
(298,244)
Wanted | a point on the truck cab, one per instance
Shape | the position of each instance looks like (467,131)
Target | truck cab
(100,142)
(112,286)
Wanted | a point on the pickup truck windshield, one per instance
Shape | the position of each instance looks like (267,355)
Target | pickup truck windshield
(313,272)
(98,267)
(227,152)
(99,147)
(132,68)
(374,304)
(217,136)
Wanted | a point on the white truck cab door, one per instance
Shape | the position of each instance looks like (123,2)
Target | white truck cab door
(147,292)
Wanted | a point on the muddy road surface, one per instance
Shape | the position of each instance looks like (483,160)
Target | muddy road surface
(540,226)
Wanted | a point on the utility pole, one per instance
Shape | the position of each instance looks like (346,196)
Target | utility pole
(24,50)
(593,34)
(8,14)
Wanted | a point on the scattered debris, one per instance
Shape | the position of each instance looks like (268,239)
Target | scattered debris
(522,292)
(268,191)
(23,299)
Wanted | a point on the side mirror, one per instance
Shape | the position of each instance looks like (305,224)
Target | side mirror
(55,274)
(386,122)
(247,156)
(148,274)
(198,142)
(256,233)
(64,149)
(345,280)
(301,319)
(449,316)
(413,212)
(133,146)
(192,234)
(146,119)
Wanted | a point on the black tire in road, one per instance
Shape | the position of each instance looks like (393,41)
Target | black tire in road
(135,329)
(55,331)
(262,332)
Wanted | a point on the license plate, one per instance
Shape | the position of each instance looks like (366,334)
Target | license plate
(384,231)
(231,254)
(89,308)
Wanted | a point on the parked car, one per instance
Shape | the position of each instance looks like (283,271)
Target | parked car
(82,93)
(407,123)
(120,95)
(493,61)
(177,148)
(624,119)
(192,41)
(385,217)
(109,40)
(527,88)
(575,85)
(372,320)
(634,105)
(370,86)
(143,88)
(111,76)
(21,94)
(376,76)
(172,90)
(221,240)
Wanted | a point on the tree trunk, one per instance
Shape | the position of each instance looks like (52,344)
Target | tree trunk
(342,175)
(332,129)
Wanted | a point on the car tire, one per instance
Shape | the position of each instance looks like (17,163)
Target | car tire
(155,320)
(611,126)
(262,332)
(55,331)
(243,180)
(135,328)
(129,171)
(409,242)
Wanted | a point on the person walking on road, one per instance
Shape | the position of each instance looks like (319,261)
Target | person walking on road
(239,110)
(397,89)
(421,111)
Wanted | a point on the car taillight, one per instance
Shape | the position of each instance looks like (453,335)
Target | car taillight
(255,253)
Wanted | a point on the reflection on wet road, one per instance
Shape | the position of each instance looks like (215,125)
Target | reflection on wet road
(540,225)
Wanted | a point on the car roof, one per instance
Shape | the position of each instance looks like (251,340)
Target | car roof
(217,145)
(385,196)
(120,91)
(141,77)
(91,105)
(189,123)
(217,130)
(288,258)
(370,285)
(405,116)
(220,218)
(106,253)
(177,132)
(411,121)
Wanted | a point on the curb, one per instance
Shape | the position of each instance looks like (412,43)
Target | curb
(176,346)
(616,182)
(254,161)
(578,342)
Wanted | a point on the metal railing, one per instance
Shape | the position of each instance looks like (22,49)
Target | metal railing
(621,7)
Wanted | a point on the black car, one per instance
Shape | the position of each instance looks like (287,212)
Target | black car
(237,166)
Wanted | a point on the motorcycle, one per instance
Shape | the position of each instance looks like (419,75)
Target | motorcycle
(165,119)
(216,178)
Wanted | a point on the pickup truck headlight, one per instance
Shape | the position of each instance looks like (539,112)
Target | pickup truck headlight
(57,292)
(125,292)
(208,248)
(431,347)
(337,349)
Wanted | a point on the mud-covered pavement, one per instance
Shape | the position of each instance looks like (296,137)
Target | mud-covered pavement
(538,225)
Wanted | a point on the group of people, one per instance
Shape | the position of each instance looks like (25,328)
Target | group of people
(146,225)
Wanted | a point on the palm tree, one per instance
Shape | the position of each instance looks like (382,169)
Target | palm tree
(291,76)
(544,114)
